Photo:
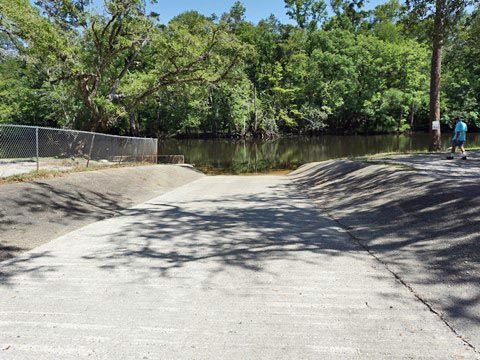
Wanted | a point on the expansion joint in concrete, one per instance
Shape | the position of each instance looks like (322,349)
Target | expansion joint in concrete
(403,282)
(396,275)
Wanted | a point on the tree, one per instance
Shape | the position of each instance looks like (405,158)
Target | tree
(461,85)
(236,16)
(307,13)
(63,63)
(445,14)
(121,57)
(348,14)
(385,21)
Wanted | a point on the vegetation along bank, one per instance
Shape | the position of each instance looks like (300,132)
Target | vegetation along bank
(335,68)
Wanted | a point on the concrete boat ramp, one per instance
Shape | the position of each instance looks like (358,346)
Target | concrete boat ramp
(221,268)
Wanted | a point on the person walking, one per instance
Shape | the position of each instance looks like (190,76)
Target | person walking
(458,140)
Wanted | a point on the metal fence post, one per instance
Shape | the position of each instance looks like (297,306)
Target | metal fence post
(121,152)
(36,146)
(90,151)
(60,147)
(144,143)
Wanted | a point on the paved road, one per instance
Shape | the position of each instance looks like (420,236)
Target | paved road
(224,267)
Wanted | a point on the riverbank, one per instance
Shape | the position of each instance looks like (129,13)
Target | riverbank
(35,212)
(248,156)
(419,215)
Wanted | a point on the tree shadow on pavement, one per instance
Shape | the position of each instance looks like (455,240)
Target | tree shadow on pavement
(33,213)
(242,232)
(72,203)
(425,227)
(26,265)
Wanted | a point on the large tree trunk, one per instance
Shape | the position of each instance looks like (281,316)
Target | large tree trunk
(435,141)
(255,115)
(134,124)
(88,95)
(96,117)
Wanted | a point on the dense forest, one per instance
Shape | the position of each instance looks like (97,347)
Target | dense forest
(337,68)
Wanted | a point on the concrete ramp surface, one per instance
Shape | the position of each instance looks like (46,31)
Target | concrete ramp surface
(221,268)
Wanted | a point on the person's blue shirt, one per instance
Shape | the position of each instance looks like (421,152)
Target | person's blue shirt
(462,129)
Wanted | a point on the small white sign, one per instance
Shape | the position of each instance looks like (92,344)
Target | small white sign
(435,125)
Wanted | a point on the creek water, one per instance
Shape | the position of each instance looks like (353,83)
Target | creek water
(217,156)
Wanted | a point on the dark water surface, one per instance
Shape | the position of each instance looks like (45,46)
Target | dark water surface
(248,156)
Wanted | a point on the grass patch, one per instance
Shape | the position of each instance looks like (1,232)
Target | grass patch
(49,174)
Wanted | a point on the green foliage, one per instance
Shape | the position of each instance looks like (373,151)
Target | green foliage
(307,13)
(120,70)
(461,85)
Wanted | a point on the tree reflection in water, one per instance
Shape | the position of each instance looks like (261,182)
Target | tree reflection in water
(227,156)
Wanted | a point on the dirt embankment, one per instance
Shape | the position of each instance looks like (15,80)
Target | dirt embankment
(423,225)
(36,212)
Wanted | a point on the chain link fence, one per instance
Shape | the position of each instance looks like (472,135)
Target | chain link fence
(29,148)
